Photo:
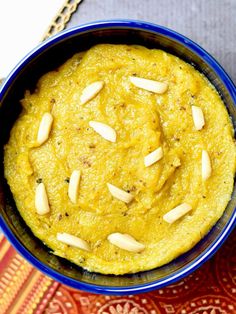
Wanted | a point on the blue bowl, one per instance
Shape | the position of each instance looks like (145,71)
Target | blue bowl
(50,55)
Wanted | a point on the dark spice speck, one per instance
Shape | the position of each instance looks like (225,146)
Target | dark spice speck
(82,260)
(59,217)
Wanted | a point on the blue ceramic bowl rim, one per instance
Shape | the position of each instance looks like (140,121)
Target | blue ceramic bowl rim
(203,257)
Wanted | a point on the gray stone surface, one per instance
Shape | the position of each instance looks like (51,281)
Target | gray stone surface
(210,23)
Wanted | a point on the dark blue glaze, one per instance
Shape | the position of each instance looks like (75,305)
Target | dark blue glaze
(49,55)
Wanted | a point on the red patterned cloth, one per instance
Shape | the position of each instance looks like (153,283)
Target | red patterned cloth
(209,290)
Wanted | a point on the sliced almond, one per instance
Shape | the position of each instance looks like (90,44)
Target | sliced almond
(149,85)
(120,194)
(73,241)
(104,130)
(206,165)
(198,117)
(153,157)
(177,213)
(74,186)
(44,128)
(91,91)
(125,242)
(41,200)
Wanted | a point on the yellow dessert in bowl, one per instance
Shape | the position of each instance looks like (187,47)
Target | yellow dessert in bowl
(122,159)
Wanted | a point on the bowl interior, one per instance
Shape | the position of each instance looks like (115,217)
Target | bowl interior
(50,57)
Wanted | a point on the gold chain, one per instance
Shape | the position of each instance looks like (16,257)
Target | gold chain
(63,16)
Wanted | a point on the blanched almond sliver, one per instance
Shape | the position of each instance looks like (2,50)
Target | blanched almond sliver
(153,157)
(41,200)
(149,85)
(44,128)
(198,117)
(120,194)
(104,130)
(206,165)
(177,213)
(125,242)
(91,91)
(73,241)
(74,186)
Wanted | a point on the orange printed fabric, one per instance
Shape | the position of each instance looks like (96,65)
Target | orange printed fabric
(209,290)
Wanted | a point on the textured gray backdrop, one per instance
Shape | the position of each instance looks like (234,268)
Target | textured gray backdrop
(210,23)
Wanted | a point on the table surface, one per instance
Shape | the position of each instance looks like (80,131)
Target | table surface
(211,23)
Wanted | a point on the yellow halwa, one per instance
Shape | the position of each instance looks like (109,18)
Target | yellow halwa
(143,122)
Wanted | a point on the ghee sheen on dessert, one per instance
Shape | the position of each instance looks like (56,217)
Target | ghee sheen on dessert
(122,159)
